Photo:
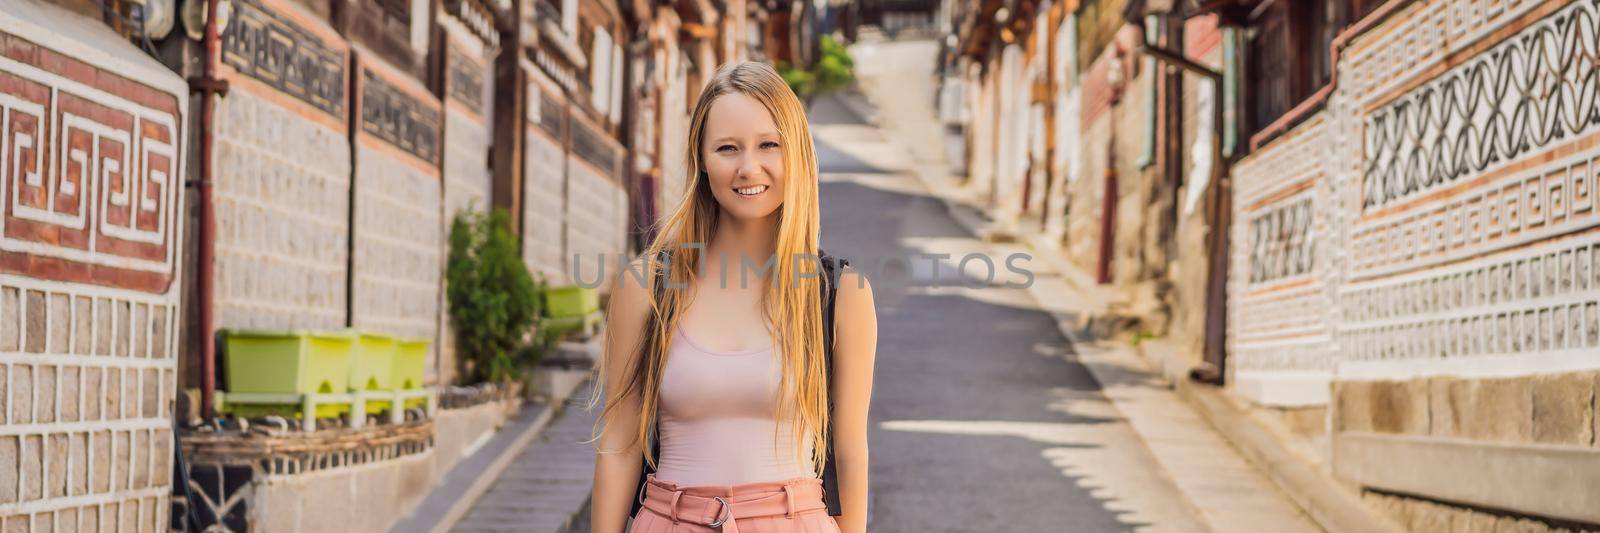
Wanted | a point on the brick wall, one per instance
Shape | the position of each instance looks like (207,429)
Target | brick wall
(544,175)
(282,217)
(467,139)
(597,205)
(1442,271)
(399,233)
(89,299)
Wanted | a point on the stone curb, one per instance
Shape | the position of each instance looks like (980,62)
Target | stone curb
(450,501)
(1330,506)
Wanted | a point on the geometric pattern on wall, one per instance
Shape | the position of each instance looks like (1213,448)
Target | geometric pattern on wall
(91,184)
(1541,298)
(89,172)
(1532,90)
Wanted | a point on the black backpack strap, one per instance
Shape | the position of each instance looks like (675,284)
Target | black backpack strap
(831,269)
(658,287)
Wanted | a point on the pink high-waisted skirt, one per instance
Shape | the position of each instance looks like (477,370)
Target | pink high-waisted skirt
(790,506)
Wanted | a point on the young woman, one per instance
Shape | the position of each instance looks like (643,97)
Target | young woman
(728,370)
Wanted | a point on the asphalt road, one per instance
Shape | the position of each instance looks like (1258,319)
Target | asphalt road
(980,419)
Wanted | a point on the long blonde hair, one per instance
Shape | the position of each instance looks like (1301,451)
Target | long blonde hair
(792,307)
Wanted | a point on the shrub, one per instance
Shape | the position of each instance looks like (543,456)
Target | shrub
(493,298)
(832,71)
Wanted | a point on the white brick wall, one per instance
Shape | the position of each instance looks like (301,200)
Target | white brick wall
(282,217)
(597,211)
(399,236)
(543,190)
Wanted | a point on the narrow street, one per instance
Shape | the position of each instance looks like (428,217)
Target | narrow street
(980,420)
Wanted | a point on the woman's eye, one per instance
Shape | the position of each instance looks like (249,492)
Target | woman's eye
(769,144)
(725,148)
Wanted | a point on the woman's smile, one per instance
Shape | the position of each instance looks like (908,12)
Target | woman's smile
(752,191)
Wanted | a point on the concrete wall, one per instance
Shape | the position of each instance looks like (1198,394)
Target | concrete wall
(1446,273)
(89,252)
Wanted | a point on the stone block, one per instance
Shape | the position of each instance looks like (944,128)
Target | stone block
(120,469)
(122,321)
(44,395)
(5,412)
(60,323)
(1563,408)
(128,516)
(36,326)
(103,329)
(55,480)
(67,521)
(138,316)
(82,325)
(1512,524)
(1595,433)
(130,393)
(158,331)
(18,524)
(150,404)
(112,408)
(10,317)
(1496,409)
(32,466)
(1351,405)
(9,458)
(1399,407)
(78,457)
(139,464)
(21,394)
(108,517)
(100,449)
(71,399)
(161,472)
(92,386)
(89,518)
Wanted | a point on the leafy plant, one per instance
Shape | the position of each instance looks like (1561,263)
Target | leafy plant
(832,71)
(493,298)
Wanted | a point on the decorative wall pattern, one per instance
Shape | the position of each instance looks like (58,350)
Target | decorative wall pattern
(466,79)
(392,114)
(1522,95)
(1282,244)
(91,183)
(1418,38)
(1538,299)
(1281,287)
(270,47)
(90,166)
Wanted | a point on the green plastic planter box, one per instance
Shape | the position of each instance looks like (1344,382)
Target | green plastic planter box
(287,362)
(570,301)
(372,366)
(410,361)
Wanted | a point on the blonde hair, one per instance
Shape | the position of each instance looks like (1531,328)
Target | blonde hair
(793,307)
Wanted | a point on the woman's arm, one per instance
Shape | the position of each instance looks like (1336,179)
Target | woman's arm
(616,467)
(855,350)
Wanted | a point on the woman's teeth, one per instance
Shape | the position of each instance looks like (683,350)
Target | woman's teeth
(752,191)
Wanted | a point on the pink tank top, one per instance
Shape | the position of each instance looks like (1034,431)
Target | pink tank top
(716,418)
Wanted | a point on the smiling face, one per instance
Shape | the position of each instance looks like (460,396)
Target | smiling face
(743,157)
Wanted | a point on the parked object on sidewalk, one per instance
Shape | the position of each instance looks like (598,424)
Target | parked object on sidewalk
(372,366)
(287,362)
(570,308)
(410,362)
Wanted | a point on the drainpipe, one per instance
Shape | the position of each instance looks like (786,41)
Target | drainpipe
(208,85)
(1218,213)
